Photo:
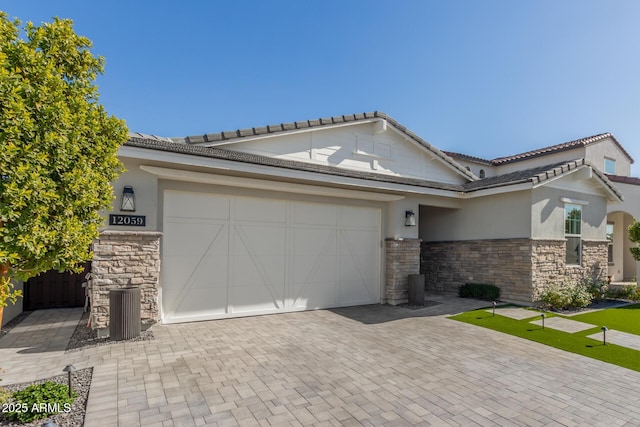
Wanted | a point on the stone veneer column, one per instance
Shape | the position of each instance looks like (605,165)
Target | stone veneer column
(123,258)
(402,258)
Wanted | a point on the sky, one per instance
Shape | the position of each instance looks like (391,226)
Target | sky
(488,78)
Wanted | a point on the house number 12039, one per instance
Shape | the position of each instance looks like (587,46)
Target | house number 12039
(128,220)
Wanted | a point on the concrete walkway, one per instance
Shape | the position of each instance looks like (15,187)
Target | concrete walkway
(370,365)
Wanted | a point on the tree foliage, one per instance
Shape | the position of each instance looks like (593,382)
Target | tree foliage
(59,148)
(634,236)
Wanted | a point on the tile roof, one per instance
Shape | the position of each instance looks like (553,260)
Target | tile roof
(624,179)
(239,134)
(537,175)
(583,142)
(237,156)
(280,127)
(467,157)
(534,175)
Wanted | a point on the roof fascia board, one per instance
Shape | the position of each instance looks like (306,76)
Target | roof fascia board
(590,175)
(285,133)
(260,184)
(497,190)
(227,166)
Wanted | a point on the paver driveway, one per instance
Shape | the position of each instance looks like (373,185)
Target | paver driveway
(372,365)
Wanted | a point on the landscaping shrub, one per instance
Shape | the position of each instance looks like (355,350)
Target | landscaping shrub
(479,290)
(40,401)
(630,292)
(597,288)
(567,295)
(4,394)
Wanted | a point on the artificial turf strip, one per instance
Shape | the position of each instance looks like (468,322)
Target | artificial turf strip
(575,343)
(624,319)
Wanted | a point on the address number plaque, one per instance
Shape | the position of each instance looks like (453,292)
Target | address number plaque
(128,220)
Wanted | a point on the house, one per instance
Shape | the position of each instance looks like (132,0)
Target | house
(604,153)
(340,211)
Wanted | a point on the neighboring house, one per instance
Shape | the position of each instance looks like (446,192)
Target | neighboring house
(340,211)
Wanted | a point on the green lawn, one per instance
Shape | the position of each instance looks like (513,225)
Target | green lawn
(625,319)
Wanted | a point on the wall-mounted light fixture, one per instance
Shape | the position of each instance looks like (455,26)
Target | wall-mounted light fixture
(409,219)
(128,199)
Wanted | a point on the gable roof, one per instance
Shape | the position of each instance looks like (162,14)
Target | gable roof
(534,176)
(539,175)
(582,142)
(624,179)
(468,157)
(213,139)
(256,159)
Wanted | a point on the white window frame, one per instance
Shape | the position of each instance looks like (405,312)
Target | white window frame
(609,163)
(610,243)
(571,235)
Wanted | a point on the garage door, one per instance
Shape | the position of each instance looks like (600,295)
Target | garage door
(226,256)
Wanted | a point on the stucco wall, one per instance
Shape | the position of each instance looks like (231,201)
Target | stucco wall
(145,187)
(491,217)
(631,202)
(547,213)
(596,153)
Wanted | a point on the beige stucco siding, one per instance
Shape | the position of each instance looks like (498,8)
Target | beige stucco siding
(548,213)
(596,153)
(499,216)
(145,187)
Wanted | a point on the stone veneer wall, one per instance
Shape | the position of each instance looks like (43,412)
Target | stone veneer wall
(402,258)
(123,258)
(520,267)
(505,263)
(549,266)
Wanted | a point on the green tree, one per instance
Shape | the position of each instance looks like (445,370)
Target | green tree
(634,236)
(58,150)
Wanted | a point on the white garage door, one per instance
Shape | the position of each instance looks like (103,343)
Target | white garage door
(226,256)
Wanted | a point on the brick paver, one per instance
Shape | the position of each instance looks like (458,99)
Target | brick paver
(362,366)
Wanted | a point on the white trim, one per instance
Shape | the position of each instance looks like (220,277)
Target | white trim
(497,190)
(287,187)
(227,166)
(573,201)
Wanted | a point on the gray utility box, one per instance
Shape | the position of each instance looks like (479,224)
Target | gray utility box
(416,289)
(124,313)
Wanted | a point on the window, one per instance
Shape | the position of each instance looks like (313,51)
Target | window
(573,233)
(482,174)
(610,239)
(610,166)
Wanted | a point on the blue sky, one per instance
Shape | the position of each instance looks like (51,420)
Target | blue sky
(487,78)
